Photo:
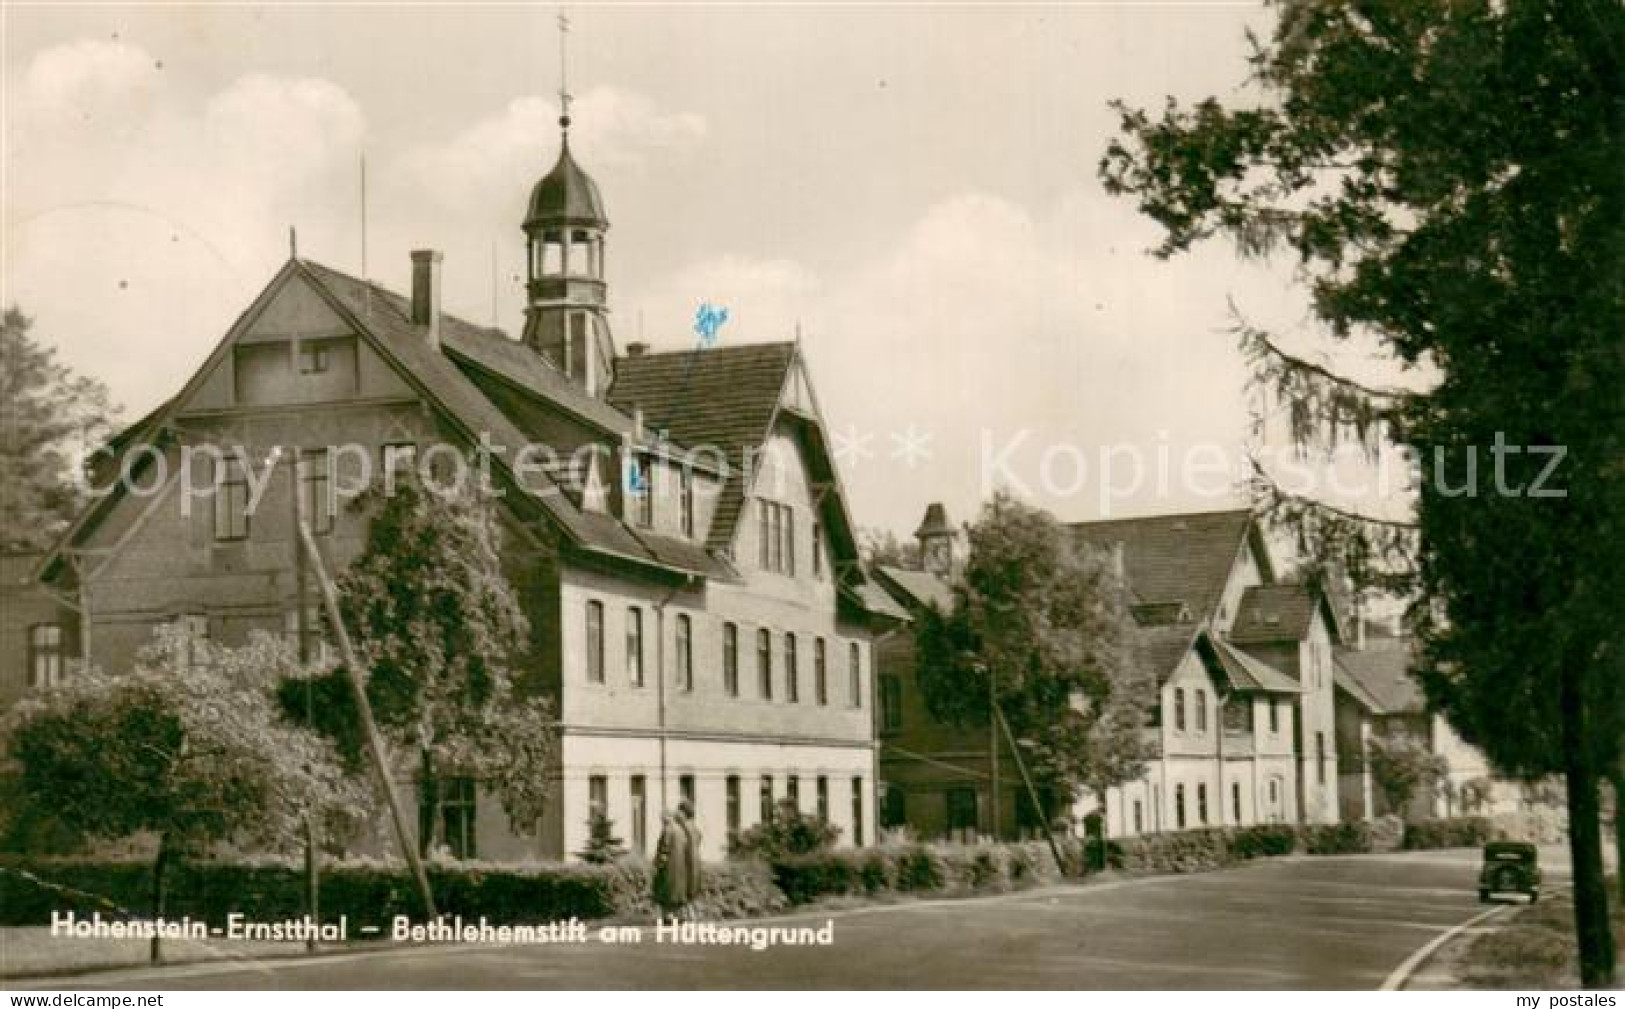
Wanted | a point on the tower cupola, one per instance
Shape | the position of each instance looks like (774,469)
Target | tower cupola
(566,303)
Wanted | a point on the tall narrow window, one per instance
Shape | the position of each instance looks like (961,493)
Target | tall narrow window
(641,486)
(231,502)
(765,798)
(45,655)
(734,801)
(823,798)
(686,500)
(854,660)
(891,703)
(1235,802)
(788,528)
(685,653)
(1201,710)
(820,673)
(857,812)
(597,796)
(1320,755)
(792,670)
(764,536)
(395,459)
(595,641)
(316,488)
(1179,709)
(457,808)
(764,664)
(685,791)
(1201,803)
(730,659)
(1139,817)
(634,646)
(792,790)
(1275,718)
(1179,806)
(818,549)
(640,813)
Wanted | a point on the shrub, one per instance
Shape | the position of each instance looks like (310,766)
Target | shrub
(788,831)
(366,890)
(1264,840)
(1459,832)
(1337,838)
(1181,851)
(603,847)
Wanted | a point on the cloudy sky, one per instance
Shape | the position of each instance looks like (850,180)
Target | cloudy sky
(914,186)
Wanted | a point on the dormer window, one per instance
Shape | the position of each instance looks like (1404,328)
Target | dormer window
(776,537)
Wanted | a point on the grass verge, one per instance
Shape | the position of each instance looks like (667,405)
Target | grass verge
(1535,949)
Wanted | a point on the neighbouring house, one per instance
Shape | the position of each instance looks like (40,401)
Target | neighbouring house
(1244,726)
(38,633)
(673,523)
(1377,696)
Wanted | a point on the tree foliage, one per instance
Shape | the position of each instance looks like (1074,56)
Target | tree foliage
(48,417)
(189,746)
(1403,767)
(440,631)
(1445,174)
(1048,623)
(786,831)
(603,846)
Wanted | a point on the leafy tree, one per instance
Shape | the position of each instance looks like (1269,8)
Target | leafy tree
(1403,767)
(1047,623)
(188,747)
(47,414)
(788,831)
(603,847)
(1446,175)
(884,547)
(439,629)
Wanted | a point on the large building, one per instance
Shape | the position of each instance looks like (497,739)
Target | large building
(672,521)
(1244,729)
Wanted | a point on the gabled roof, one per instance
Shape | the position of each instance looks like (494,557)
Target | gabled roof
(1248,673)
(1172,559)
(1282,612)
(1161,649)
(1379,676)
(722,398)
(916,589)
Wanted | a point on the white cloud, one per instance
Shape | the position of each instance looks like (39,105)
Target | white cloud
(478,169)
(987,318)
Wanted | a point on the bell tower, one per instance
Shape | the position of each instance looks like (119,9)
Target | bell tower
(566,311)
(936,539)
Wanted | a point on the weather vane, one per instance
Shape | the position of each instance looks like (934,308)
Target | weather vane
(564,70)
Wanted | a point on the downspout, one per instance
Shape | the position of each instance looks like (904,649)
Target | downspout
(660,680)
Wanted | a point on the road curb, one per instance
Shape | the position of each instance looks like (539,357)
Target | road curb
(1402,974)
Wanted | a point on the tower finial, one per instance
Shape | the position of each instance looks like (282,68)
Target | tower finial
(564,71)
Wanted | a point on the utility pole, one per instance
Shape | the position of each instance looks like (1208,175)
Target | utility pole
(993,746)
(1032,793)
(302,629)
(375,744)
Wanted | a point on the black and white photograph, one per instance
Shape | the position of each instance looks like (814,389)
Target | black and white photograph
(1122,496)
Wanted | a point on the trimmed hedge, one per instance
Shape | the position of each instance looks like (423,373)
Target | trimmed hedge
(1352,838)
(1458,832)
(913,868)
(30,889)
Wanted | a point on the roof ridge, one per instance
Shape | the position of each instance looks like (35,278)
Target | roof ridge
(1160,517)
(650,355)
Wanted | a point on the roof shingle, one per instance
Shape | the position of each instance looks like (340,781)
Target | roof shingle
(1174,558)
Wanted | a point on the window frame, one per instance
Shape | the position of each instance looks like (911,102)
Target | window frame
(635,670)
(1179,709)
(685,653)
(315,471)
(792,669)
(232,522)
(595,641)
(854,658)
(820,672)
(54,653)
(764,664)
(730,659)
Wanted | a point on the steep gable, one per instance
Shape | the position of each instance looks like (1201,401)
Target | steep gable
(1173,560)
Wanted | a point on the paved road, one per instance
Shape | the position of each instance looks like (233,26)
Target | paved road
(1285,923)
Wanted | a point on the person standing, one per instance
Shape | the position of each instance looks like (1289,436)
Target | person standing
(673,873)
(691,827)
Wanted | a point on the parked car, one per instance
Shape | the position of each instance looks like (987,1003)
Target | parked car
(1509,867)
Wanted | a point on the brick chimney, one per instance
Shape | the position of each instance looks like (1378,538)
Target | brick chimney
(426,293)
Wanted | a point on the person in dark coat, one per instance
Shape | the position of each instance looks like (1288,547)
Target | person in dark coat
(696,882)
(674,872)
